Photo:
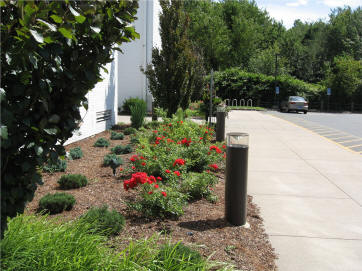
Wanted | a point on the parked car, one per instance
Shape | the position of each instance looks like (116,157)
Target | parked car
(294,103)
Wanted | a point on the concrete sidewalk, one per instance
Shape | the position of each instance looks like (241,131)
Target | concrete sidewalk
(309,191)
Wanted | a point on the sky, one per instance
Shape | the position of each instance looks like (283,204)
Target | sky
(305,10)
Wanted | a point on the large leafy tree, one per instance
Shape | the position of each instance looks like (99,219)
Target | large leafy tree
(175,75)
(51,56)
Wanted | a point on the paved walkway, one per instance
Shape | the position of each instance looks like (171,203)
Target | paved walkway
(309,191)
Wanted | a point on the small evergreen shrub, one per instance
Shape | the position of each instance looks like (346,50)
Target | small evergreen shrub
(71,181)
(128,103)
(121,149)
(104,221)
(129,131)
(56,203)
(75,153)
(58,166)
(112,158)
(138,113)
(116,136)
(101,142)
(177,254)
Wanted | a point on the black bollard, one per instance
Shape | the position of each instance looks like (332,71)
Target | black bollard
(236,178)
(220,125)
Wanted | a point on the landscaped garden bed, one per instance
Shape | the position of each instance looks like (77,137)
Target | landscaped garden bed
(169,202)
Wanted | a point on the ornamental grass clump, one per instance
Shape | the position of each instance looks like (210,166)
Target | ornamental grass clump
(71,181)
(116,136)
(104,221)
(56,203)
(59,165)
(39,243)
(138,113)
(122,149)
(101,143)
(75,153)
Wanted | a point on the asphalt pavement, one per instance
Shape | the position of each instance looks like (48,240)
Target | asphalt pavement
(309,190)
(343,129)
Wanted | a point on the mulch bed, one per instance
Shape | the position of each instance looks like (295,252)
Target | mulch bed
(202,224)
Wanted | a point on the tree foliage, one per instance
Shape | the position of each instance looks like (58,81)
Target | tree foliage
(175,74)
(51,56)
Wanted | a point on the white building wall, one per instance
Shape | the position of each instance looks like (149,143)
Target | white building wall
(136,54)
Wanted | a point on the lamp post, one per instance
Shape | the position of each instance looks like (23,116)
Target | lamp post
(275,78)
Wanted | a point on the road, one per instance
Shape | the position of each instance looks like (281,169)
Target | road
(343,129)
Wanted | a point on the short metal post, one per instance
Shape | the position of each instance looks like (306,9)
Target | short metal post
(236,178)
(154,115)
(220,124)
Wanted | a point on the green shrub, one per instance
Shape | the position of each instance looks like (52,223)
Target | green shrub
(104,221)
(163,202)
(71,181)
(56,203)
(134,139)
(152,124)
(112,158)
(197,185)
(59,166)
(116,136)
(138,113)
(101,142)
(39,243)
(129,131)
(75,153)
(121,149)
(180,255)
(128,103)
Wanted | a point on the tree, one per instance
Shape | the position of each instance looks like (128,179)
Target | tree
(51,56)
(174,74)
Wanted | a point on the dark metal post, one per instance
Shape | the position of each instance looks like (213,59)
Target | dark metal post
(211,88)
(236,178)
(220,124)
(154,115)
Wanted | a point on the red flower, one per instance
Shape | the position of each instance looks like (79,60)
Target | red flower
(214,166)
(216,148)
(134,158)
(164,193)
(157,142)
(206,132)
(150,192)
(143,164)
(186,142)
(177,173)
(159,178)
(179,162)
(224,146)
(156,186)
(169,140)
(170,124)
(120,169)
(155,131)
(201,138)
(133,167)
(167,171)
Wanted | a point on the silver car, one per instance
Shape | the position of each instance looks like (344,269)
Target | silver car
(294,103)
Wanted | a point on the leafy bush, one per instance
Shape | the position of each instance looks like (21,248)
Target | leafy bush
(138,113)
(121,149)
(134,139)
(116,136)
(130,131)
(128,103)
(101,142)
(71,181)
(50,79)
(56,203)
(112,158)
(104,221)
(152,124)
(180,255)
(197,185)
(59,166)
(75,153)
(38,243)
(161,202)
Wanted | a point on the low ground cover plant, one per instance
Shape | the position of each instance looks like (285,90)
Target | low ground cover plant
(75,153)
(59,166)
(40,243)
(129,131)
(56,203)
(104,221)
(101,143)
(70,181)
(117,136)
(122,149)
(112,158)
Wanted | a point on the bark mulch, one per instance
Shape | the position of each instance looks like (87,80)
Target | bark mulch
(202,225)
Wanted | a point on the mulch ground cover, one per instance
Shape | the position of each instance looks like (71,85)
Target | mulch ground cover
(202,226)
